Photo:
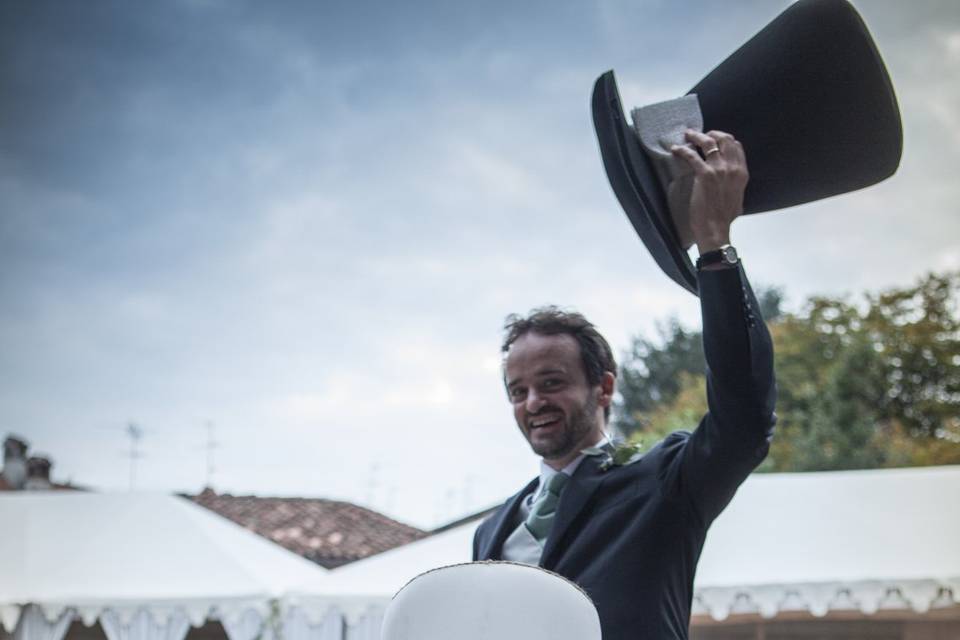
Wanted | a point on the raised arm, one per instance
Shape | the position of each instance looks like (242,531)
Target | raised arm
(733,438)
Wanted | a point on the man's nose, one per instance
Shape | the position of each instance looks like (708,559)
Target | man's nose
(535,401)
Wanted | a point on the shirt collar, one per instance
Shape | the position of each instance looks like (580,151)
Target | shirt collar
(547,472)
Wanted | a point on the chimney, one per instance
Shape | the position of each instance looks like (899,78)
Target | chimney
(38,474)
(14,462)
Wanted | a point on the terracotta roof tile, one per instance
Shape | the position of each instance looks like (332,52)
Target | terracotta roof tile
(328,532)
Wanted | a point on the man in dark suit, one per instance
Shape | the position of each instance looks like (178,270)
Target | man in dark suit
(631,533)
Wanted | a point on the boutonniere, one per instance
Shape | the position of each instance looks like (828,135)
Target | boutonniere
(617,455)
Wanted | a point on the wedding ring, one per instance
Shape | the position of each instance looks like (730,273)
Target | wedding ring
(706,154)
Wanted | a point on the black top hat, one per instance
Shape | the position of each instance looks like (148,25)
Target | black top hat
(808,97)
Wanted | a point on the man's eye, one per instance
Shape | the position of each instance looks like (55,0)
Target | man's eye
(551,383)
(517,393)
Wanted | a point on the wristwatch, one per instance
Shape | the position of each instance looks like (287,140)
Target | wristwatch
(725,255)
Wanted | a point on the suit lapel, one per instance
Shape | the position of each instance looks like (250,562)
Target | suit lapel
(503,524)
(585,481)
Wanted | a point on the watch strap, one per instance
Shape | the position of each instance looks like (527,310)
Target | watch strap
(725,255)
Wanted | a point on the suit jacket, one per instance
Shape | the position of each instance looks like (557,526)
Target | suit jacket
(631,536)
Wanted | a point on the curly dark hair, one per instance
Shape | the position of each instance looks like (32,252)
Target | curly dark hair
(595,352)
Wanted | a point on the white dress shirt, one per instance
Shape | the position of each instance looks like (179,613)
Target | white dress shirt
(520,545)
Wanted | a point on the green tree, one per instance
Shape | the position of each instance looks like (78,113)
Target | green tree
(875,384)
(654,373)
(651,374)
(917,334)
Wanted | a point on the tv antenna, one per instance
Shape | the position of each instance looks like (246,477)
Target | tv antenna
(135,433)
(210,446)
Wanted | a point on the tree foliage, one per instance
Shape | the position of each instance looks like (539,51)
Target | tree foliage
(860,385)
(652,375)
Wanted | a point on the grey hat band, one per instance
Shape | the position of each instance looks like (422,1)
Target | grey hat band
(660,126)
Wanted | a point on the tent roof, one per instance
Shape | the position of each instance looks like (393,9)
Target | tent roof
(837,527)
(89,550)
(802,541)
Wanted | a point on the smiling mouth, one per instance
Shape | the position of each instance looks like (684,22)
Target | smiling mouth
(543,422)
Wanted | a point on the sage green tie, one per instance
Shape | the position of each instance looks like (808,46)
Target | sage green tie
(545,507)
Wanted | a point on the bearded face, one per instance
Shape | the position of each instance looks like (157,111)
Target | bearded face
(556,409)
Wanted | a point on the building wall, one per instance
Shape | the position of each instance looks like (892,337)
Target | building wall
(211,630)
(832,630)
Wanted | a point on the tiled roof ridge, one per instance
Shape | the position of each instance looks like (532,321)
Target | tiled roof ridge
(207,493)
(328,532)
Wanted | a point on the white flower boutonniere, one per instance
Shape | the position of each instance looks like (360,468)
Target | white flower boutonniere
(619,455)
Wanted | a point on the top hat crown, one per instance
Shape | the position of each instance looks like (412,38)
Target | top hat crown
(808,97)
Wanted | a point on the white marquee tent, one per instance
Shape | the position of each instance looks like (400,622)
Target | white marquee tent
(851,541)
(860,540)
(147,567)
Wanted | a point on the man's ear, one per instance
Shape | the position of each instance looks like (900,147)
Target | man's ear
(608,384)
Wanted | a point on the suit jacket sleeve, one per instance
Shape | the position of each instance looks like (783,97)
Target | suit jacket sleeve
(734,436)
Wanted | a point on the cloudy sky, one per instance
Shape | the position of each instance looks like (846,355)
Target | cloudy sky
(304,222)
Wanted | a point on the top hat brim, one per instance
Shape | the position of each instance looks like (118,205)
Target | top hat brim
(809,98)
(635,184)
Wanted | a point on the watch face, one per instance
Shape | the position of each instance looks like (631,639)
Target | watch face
(729,255)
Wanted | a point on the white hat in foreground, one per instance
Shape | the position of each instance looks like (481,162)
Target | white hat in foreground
(490,601)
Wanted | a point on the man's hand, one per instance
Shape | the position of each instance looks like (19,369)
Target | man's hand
(720,180)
